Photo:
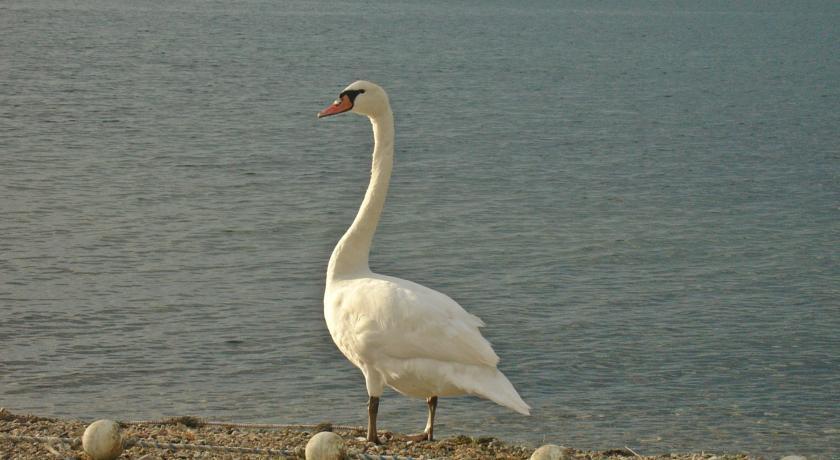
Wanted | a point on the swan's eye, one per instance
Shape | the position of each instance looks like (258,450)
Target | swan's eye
(352,93)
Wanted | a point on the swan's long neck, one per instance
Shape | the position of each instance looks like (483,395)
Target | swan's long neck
(350,255)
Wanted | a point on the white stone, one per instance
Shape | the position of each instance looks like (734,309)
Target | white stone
(102,440)
(794,457)
(325,446)
(550,452)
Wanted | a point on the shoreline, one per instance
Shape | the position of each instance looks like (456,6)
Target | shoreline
(291,441)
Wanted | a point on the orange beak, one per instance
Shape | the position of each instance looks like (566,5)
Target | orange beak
(339,106)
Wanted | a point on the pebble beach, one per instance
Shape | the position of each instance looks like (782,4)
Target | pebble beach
(283,442)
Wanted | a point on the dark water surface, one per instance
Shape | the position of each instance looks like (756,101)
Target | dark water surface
(641,201)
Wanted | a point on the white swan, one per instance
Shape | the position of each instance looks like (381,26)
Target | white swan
(416,340)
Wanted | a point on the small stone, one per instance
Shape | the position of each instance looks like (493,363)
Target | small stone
(325,445)
(550,452)
(102,440)
(793,457)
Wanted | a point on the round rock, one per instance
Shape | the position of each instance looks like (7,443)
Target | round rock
(550,452)
(102,440)
(325,445)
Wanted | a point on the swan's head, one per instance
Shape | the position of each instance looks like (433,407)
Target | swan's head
(362,97)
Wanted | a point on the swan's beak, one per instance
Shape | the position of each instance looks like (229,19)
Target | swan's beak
(340,105)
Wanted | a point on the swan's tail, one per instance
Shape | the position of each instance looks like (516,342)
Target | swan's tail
(490,383)
(423,377)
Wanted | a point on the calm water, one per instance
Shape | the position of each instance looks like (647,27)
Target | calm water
(642,202)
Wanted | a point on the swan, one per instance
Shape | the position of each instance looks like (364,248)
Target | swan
(398,333)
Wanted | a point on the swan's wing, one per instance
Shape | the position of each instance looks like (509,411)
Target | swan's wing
(405,320)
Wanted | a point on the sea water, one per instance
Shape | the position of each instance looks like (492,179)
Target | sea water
(639,198)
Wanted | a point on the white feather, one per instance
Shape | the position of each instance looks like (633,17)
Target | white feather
(414,339)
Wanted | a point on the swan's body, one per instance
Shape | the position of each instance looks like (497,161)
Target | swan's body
(411,338)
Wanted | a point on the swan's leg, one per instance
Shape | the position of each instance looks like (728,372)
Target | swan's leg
(373,409)
(427,434)
(430,425)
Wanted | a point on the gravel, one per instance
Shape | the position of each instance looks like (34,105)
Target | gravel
(193,431)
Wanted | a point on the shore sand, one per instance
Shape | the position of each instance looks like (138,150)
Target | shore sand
(292,441)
